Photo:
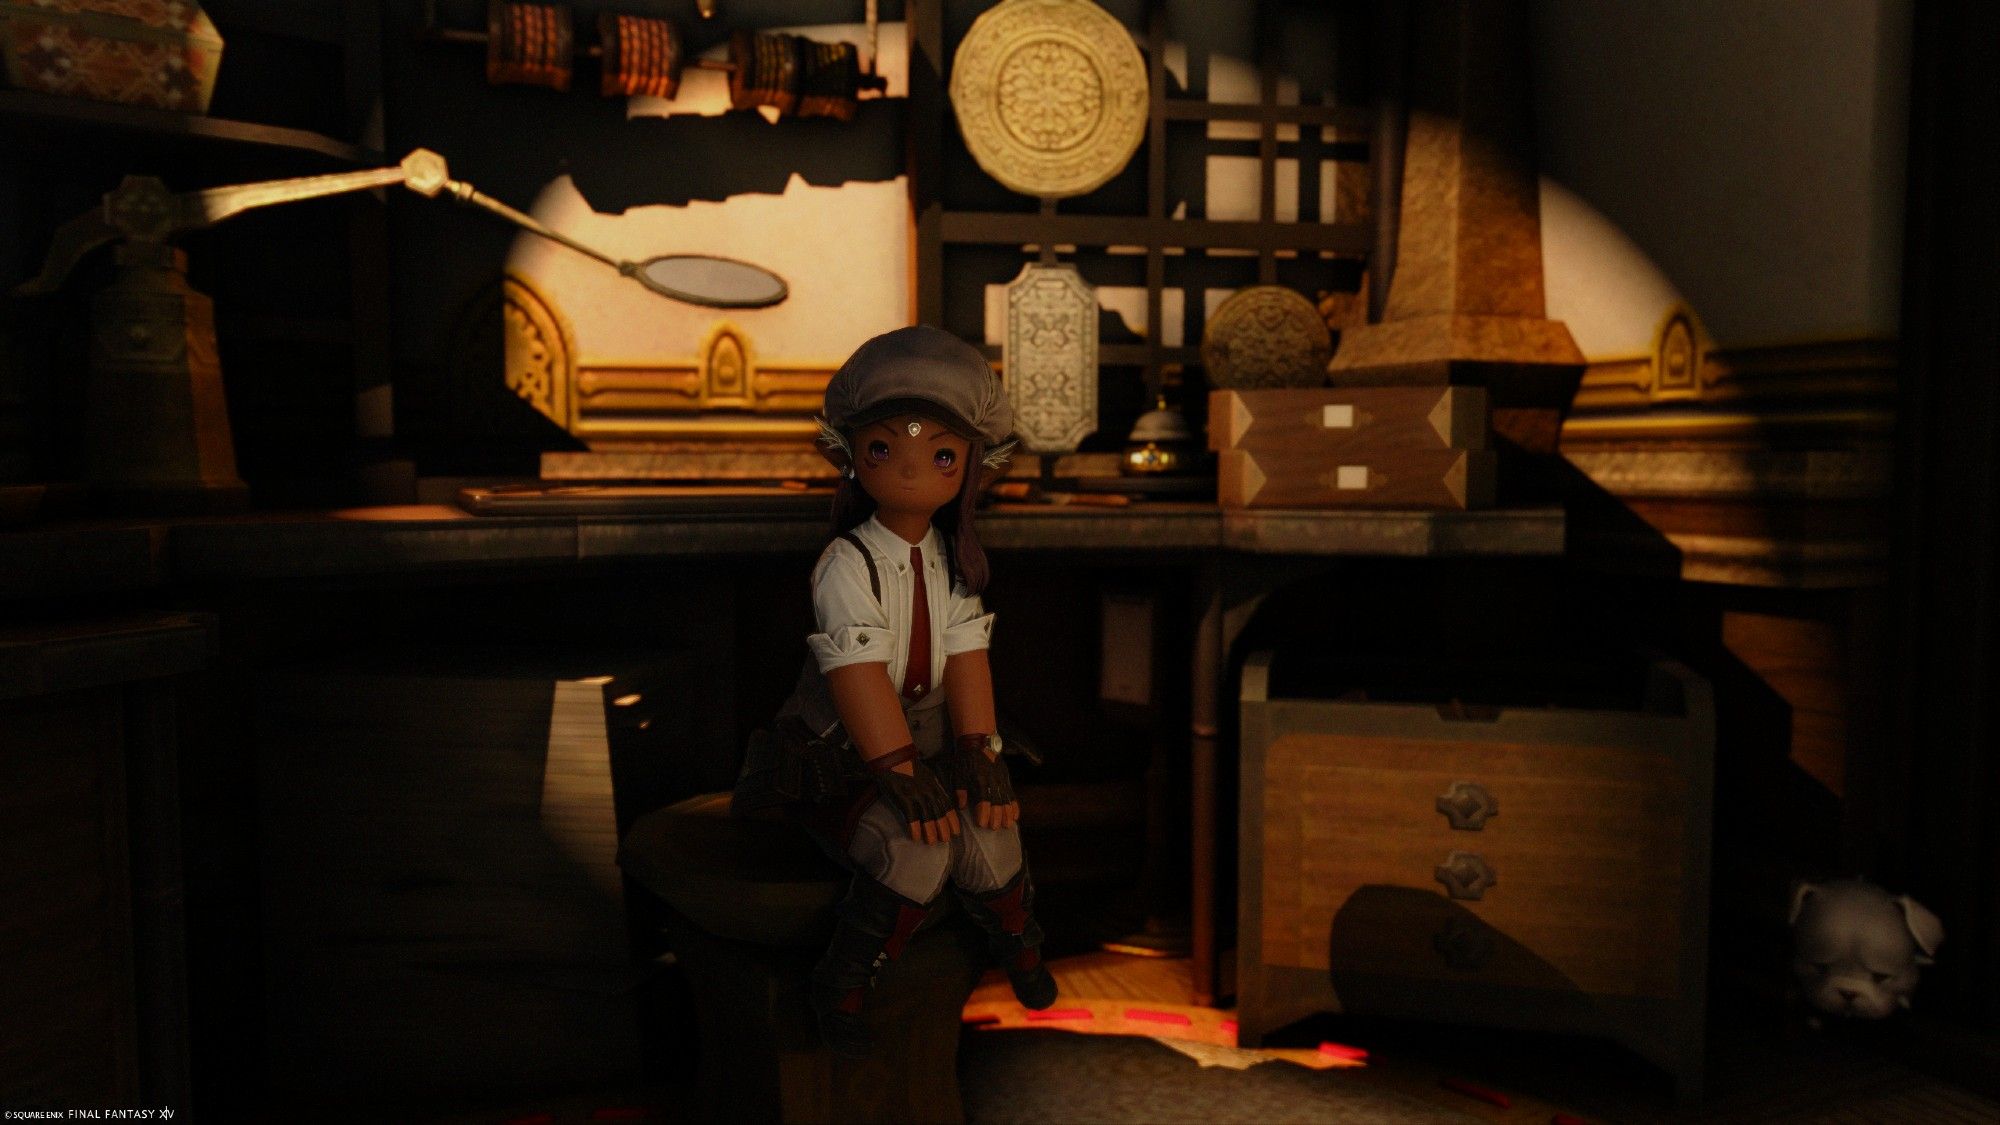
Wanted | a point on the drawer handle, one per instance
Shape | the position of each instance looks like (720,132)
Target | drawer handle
(1468,805)
(1464,943)
(1466,876)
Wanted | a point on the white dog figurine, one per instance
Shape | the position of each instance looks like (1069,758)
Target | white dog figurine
(1857,949)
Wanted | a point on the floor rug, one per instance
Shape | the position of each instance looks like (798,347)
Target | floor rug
(1055,1076)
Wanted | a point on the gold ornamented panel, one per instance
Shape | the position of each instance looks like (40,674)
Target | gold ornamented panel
(540,350)
(725,392)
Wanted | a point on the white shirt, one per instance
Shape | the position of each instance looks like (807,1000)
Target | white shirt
(855,628)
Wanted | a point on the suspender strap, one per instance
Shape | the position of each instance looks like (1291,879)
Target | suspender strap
(874,576)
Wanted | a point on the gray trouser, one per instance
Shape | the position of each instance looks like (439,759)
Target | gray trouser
(978,860)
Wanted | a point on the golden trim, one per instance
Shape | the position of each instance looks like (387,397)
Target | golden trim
(1666,424)
(1839,386)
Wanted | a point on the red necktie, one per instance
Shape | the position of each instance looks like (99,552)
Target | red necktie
(917,673)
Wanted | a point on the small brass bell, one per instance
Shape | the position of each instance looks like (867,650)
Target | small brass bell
(1161,443)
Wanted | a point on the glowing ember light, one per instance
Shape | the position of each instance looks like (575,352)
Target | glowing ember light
(1342,1051)
(1151,1016)
(627,700)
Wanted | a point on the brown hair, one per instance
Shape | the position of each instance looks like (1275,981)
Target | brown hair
(852,506)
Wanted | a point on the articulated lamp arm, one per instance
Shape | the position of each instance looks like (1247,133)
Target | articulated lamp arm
(142,210)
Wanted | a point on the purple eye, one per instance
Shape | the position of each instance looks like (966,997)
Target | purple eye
(878,451)
(944,459)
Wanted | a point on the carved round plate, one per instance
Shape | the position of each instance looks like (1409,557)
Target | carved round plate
(1266,336)
(1050,95)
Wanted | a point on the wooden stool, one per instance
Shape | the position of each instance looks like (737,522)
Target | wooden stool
(751,909)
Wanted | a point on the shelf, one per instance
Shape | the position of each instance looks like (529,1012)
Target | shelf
(1003,228)
(96,557)
(31,106)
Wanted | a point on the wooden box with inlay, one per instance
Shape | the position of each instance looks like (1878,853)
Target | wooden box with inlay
(1535,867)
(1327,478)
(1358,422)
(1352,447)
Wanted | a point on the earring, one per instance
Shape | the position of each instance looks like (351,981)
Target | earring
(848,472)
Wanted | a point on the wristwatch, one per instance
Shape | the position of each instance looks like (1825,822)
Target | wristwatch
(992,745)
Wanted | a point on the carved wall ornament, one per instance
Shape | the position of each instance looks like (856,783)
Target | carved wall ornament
(1050,95)
(1266,336)
(1049,359)
(540,356)
(1677,359)
(728,372)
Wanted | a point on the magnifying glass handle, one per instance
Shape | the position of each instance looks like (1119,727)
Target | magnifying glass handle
(426,174)
(466,193)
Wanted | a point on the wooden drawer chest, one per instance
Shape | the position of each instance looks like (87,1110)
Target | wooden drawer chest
(1531,867)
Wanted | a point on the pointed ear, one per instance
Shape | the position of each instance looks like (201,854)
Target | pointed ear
(1801,891)
(832,445)
(997,463)
(1924,926)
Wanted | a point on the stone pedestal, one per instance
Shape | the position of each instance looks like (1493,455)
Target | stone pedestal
(1465,302)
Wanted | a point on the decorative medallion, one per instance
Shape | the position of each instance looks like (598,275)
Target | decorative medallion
(1050,357)
(1050,95)
(916,428)
(1266,336)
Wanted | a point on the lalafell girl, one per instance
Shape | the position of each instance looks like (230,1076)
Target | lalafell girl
(887,751)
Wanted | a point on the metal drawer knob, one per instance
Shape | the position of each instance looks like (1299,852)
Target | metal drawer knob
(1466,876)
(1464,943)
(1468,805)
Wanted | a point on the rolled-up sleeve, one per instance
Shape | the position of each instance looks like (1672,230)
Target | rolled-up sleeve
(852,626)
(968,627)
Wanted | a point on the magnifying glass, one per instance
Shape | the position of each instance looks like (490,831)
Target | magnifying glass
(698,279)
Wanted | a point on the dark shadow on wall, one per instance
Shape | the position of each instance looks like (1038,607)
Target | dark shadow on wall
(512,142)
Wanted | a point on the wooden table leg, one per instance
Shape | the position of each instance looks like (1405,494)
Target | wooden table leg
(1204,709)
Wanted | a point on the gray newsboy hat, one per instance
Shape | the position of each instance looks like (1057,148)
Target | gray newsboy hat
(921,370)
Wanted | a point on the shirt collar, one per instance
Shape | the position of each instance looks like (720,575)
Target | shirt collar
(895,546)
